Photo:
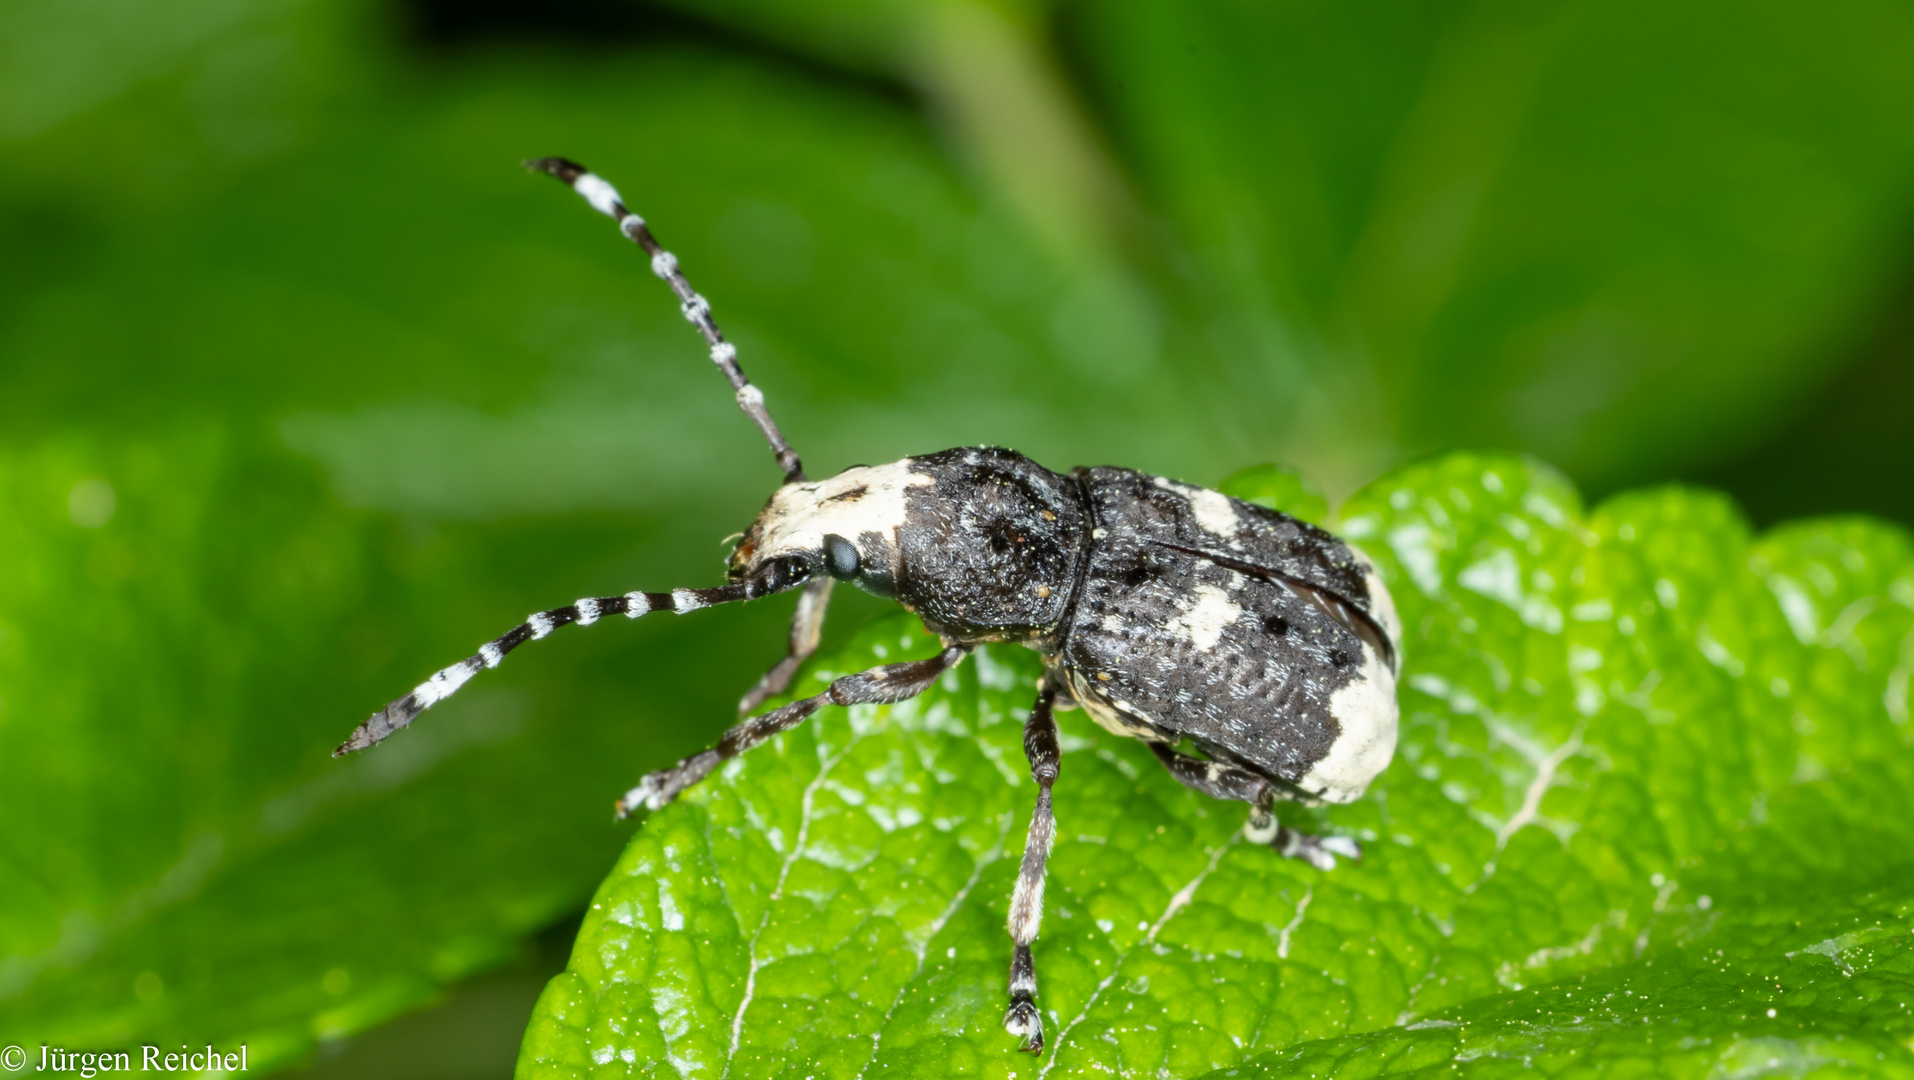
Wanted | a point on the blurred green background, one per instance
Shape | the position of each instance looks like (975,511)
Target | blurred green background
(305,388)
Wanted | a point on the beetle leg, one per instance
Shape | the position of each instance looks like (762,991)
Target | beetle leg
(807,625)
(885,684)
(1220,781)
(1026,903)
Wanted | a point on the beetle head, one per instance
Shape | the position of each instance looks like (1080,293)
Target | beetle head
(846,527)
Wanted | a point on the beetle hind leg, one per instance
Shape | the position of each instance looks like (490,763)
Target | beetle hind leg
(1220,781)
(1026,903)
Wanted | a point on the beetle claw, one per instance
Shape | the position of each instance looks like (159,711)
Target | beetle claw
(1318,851)
(1022,1020)
(648,795)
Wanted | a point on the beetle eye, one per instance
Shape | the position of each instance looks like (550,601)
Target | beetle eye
(840,557)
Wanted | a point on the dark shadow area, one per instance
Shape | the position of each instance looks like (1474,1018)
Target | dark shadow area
(1846,447)
(576,23)
(444,26)
(473,1034)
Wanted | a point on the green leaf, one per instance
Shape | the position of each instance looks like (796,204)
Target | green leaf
(1813,978)
(1652,782)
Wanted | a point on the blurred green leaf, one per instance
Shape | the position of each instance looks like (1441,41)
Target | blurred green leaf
(1652,783)
(1278,487)
(1615,235)
(184,624)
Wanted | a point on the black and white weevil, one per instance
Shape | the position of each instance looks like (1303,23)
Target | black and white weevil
(1167,612)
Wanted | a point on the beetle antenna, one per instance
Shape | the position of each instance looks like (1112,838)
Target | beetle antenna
(584,612)
(605,199)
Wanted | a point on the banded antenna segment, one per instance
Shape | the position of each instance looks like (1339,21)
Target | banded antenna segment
(697,311)
(536,625)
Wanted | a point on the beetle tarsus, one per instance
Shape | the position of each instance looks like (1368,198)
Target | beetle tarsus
(1318,851)
(646,796)
(1022,1021)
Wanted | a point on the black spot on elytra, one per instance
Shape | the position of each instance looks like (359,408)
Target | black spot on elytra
(1339,657)
(1276,626)
(1144,570)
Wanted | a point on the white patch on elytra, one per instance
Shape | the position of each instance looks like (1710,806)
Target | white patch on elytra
(1212,509)
(1366,712)
(1116,717)
(801,515)
(1204,621)
(1382,606)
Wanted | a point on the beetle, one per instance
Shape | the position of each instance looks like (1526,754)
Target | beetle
(1169,613)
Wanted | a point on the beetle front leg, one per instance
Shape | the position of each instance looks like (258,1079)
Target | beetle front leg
(1026,903)
(885,684)
(807,626)
(1220,781)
